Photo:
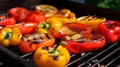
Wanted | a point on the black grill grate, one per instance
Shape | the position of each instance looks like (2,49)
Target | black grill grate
(106,57)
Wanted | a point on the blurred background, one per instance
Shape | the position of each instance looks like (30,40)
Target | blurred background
(109,4)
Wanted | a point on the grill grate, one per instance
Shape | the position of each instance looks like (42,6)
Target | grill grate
(107,56)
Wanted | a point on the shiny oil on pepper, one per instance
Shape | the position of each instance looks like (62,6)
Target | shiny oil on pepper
(110,29)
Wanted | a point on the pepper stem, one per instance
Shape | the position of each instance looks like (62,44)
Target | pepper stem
(56,52)
(8,35)
(44,25)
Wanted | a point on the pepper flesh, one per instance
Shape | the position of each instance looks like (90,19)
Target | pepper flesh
(78,43)
(10,36)
(71,28)
(31,42)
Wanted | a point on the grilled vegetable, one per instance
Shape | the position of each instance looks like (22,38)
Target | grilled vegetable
(19,13)
(10,36)
(92,21)
(31,42)
(56,56)
(47,10)
(5,20)
(78,43)
(110,29)
(25,28)
(35,17)
(71,28)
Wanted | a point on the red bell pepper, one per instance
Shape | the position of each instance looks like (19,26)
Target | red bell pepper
(4,20)
(19,13)
(71,28)
(35,17)
(110,29)
(25,28)
(31,42)
(78,43)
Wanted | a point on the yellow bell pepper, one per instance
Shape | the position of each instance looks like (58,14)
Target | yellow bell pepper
(91,21)
(64,16)
(57,56)
(10,36)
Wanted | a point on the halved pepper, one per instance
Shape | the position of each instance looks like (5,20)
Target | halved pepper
(10,36)
(71,28)
(29,43)
(110,29)
(25,28)
(78,43)
(56,56)
(4,20)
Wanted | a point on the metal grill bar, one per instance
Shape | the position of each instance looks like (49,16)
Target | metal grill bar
(112,61)
(106,57)
(98,54)
(78,59)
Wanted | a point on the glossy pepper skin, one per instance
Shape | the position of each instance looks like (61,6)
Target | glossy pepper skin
(35,17)
(23,15)
(10,36)
(19,13)
(51,56)
(7,20)
(110,29)
(25,28)
(29,43)
(71,28)
(78,43)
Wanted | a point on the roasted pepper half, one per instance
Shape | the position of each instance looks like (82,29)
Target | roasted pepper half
(56,56)
(78,43)
(64,16)
(47,10)
(25,28)
(110,29)
(31,42)
(4,20)
(71,28)
(92,21)
(10,36)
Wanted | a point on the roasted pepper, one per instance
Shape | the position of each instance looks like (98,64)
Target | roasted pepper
(92,21)
(71,28)
(78,43)
(110,29)
(19,13)
(29,43)
(64,16)
(25,28)
(10,36)
(42,27)
(35,17)
(4,20)
(56,56)
(47,10)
